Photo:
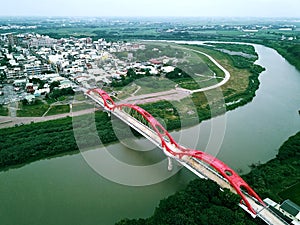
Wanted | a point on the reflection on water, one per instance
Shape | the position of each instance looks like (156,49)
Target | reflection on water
(66,190)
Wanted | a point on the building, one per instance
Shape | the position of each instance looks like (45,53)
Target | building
(45,68)
(291,210)
(42,41)
(288,210)
(32,69)
(14,73)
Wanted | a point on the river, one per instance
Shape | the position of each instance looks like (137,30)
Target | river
(65,190)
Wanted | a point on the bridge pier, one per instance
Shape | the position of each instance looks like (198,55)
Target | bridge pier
(200,163)
(170,164)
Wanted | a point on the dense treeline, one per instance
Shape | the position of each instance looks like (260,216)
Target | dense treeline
(3,111)
(177,73)
(279,174)
(247,49)
(201,202)
(35,141)
(56,93)
(291,52)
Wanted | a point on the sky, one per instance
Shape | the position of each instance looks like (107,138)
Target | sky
(152,8)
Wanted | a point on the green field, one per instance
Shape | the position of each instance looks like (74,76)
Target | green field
(37,109)
(81,106)
(58,109)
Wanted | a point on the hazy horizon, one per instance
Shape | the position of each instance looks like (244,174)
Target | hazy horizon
(153,8)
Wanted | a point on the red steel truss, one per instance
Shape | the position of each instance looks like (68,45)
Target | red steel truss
(166,139)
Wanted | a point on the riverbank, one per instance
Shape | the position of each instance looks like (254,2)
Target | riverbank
(32,142)
(277,179)
(201,202)
(290,51)
(252,135)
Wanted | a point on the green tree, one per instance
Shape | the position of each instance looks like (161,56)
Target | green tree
(54,84)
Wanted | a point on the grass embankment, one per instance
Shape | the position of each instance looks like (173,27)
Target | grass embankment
(81,106)
(244,74)
(36,109)
(238,91)
(58,109)
(279,178)
(40,108)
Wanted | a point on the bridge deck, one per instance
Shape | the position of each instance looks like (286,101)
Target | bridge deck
(199,168)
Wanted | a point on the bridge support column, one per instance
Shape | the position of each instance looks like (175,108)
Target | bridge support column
(170,164)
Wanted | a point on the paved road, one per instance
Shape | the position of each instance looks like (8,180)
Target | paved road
(196,166)
(178,93)
(224,81)
(8,121)
(171,95)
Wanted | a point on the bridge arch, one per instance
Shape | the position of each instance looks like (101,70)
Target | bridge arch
(107,100)
(237,183)
(163,134)
(230,175)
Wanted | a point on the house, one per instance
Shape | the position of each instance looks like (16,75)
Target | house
(155,62)
(288,210)
(291,210)
(30,98)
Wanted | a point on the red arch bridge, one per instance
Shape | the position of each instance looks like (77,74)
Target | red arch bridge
(202,164)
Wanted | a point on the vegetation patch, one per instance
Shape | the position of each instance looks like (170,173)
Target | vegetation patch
(27,143)
(279,178)
(291,193)
(3,111)
(58,109)
(82,106)
(201,202)
(36,109)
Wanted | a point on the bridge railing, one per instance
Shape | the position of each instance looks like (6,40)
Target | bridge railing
(239,185)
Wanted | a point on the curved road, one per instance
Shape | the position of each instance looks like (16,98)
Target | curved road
(224,81)
(179,93)
(171,95)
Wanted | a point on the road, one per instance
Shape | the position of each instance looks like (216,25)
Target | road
(226,72)
(8,121)
(179,93)
(198,167)
(171,95)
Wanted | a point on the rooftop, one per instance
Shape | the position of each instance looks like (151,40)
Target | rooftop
(290,207)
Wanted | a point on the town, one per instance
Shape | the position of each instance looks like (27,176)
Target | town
(33,65)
